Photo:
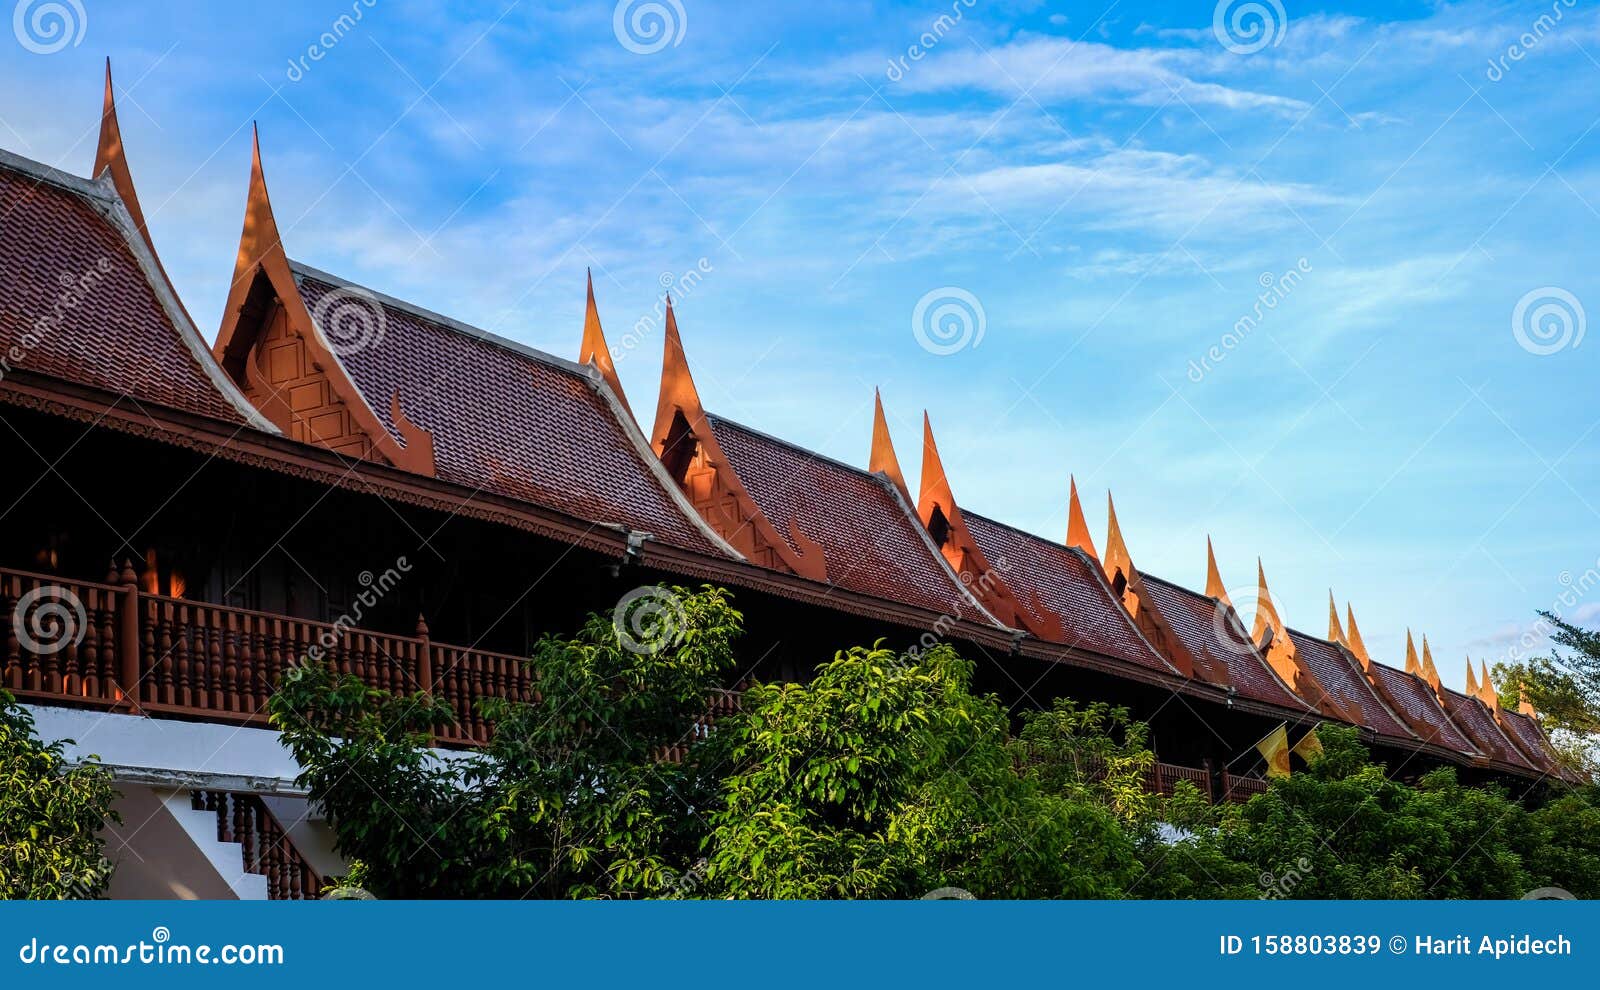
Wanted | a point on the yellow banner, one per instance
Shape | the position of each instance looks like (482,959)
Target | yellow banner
(1275,747)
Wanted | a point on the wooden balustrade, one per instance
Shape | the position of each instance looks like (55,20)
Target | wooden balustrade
(1167,775)
(1235,788)
(245,819)
(113,645)
(62,639)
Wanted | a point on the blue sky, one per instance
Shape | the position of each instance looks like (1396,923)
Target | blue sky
(1114,186)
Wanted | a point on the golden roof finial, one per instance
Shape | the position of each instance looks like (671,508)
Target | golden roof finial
(882,458)
(1486,688)
(594,350)
(1356,644)
(1267,616)
(1214,586)
(1335,633)
(1413,664)
(1077,527)
(1117,556)
(1472,682)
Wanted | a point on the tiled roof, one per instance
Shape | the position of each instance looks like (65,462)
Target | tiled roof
(511,421)
(1346,684)
(1193,618)
(1476,721)
(1069,585)
(1529,739)
(80,303)
(1415,702)
(872,542)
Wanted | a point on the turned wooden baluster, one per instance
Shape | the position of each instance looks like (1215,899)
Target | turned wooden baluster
(13,660)
(424,657)
(160,616)
(128,641)
(64,677)
(230,662)
(89,684)
(218,693)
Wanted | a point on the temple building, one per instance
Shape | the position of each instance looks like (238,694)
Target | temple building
(343,473)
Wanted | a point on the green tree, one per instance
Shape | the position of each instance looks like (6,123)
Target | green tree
(1343,829)
(885,777)
(51,815)
(571,798)
(1565,689)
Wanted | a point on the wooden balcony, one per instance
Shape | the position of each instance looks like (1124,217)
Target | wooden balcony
(113,645)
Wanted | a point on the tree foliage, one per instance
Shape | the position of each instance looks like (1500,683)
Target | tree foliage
(1565,688)
(51,814)
(882,776)
(570,798)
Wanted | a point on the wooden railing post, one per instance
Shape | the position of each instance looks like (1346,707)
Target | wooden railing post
(128,634)
(424,655)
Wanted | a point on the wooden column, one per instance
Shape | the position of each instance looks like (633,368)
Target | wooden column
(128,635)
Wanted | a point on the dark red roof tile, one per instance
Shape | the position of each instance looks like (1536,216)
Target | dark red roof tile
(1416,703)
(1475,719)
(1530,739)
(872,542)
(1341,677)
(1070,585)
(1194,619)
(509,420)
(77,305)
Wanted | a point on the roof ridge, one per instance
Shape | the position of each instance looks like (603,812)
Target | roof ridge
(92,188)
(300,268)
(863,472)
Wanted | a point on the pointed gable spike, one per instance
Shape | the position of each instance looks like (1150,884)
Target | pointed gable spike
(1214,586)
(1335,632)
(1267,616)
(594,350)
(750,532)
(1117,556)
(1078,527)
(261,254)
(110,156)
(1352,632)
(1430,673)
(1491,697)
(1413,665)
(1472,680)
(882,457)
(934,489)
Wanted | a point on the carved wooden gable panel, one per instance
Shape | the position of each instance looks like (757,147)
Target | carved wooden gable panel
(289,386)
